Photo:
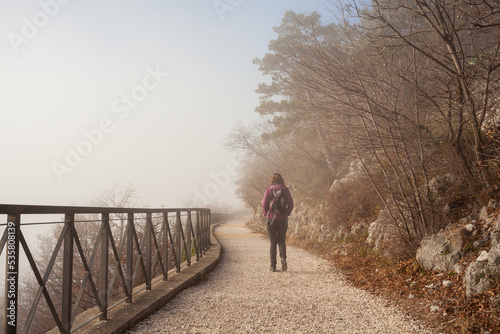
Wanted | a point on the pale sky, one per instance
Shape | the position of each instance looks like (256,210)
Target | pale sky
(96,93)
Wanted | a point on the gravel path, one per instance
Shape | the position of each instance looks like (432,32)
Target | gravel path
(241,295)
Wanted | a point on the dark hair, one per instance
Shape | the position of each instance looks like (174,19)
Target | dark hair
(277,178)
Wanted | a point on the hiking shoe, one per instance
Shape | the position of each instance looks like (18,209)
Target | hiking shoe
(273,269)
(284,266)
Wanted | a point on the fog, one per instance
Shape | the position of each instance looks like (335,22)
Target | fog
(95,94)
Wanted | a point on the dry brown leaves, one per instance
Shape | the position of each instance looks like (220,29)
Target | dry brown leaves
(405,284)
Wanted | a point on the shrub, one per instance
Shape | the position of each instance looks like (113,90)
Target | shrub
(352,201)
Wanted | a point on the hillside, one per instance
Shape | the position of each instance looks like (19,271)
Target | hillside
(384,121)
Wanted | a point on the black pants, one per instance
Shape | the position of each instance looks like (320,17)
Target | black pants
(277,234)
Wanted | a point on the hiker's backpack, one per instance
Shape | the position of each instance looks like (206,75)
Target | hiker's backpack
(277,204)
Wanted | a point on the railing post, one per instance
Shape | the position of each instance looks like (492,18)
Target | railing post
(166,259)
(207,231)
(130,255)
(204,231)
(103,288)
(11,273)
(67,287)
(149,274)
(199,254)
(178,240)
(187,234)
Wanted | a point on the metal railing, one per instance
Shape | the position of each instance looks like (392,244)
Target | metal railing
(101,255)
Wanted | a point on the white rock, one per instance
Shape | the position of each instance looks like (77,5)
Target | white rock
(484,213)
(434,308)
(469,227)
(476,278)
(447,283)
(483,256)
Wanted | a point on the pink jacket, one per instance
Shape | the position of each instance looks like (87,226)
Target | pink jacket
(268,196)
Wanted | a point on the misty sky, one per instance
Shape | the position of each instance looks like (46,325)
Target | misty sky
(95,93)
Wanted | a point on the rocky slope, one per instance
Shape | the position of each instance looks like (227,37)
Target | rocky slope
(453,283)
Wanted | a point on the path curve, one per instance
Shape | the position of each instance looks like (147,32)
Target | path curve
(241,295)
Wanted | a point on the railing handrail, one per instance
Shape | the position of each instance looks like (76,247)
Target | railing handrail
(50,209)
(163,239)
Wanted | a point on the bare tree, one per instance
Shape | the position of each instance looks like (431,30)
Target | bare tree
(460,41)
(396,87)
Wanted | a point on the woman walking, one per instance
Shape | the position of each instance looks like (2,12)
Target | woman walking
(277,205)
